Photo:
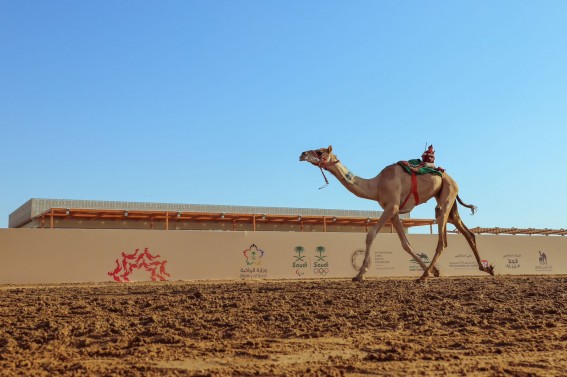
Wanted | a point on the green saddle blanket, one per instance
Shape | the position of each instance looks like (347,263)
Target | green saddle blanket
(416,166)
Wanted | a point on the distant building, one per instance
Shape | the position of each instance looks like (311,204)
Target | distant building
(91,214)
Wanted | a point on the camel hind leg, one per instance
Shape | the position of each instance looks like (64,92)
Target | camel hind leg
(446,200)
(455,219)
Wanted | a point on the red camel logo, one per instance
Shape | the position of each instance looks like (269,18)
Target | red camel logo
(145,260)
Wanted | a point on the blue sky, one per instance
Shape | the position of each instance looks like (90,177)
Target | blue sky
(211,102)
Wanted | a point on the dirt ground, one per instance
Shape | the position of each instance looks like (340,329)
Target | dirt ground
(474,326)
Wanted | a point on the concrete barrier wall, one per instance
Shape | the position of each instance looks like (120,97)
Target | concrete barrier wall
(70,255)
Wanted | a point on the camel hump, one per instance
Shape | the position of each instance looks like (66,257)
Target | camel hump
(418,167)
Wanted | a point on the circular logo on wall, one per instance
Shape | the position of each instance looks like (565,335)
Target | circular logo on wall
(357,259)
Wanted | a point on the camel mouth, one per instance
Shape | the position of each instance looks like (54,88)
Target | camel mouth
(305,156)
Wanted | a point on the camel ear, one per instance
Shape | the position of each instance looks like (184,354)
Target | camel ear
(330,148)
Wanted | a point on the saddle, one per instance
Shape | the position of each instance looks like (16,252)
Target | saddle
(417,167)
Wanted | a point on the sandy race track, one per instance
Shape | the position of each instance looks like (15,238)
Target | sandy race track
(480,326)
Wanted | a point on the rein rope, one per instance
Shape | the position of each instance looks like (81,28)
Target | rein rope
(326,180)
(324,165)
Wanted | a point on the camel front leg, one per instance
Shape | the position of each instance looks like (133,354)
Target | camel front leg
(406,245)
(431,266)
(389,211)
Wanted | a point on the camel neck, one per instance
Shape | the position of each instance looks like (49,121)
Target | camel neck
(358,186)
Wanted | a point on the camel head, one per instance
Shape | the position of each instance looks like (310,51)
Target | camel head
(321,158)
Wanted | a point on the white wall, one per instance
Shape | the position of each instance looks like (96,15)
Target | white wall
(71,255)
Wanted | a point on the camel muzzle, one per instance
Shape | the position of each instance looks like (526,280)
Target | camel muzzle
(304,157)
(309,157)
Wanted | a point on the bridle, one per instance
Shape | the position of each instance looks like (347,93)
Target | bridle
(323,163)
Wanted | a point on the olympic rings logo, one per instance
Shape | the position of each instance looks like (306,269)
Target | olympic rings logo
(321,271)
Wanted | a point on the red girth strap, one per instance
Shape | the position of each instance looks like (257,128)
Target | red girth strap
(412,191)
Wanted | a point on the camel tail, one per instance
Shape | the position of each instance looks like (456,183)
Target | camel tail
(472,208)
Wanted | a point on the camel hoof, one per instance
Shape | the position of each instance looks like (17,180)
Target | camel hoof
(421,280)
(435,272)
(423,277)
(488,270)
(358,279)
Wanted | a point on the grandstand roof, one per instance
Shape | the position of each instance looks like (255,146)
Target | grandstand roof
(50,213)
(520,231)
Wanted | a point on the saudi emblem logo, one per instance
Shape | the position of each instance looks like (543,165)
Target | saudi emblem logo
(300,264)
(321,265)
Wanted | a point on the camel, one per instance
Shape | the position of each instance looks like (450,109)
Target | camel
(393,190)
(542,258)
